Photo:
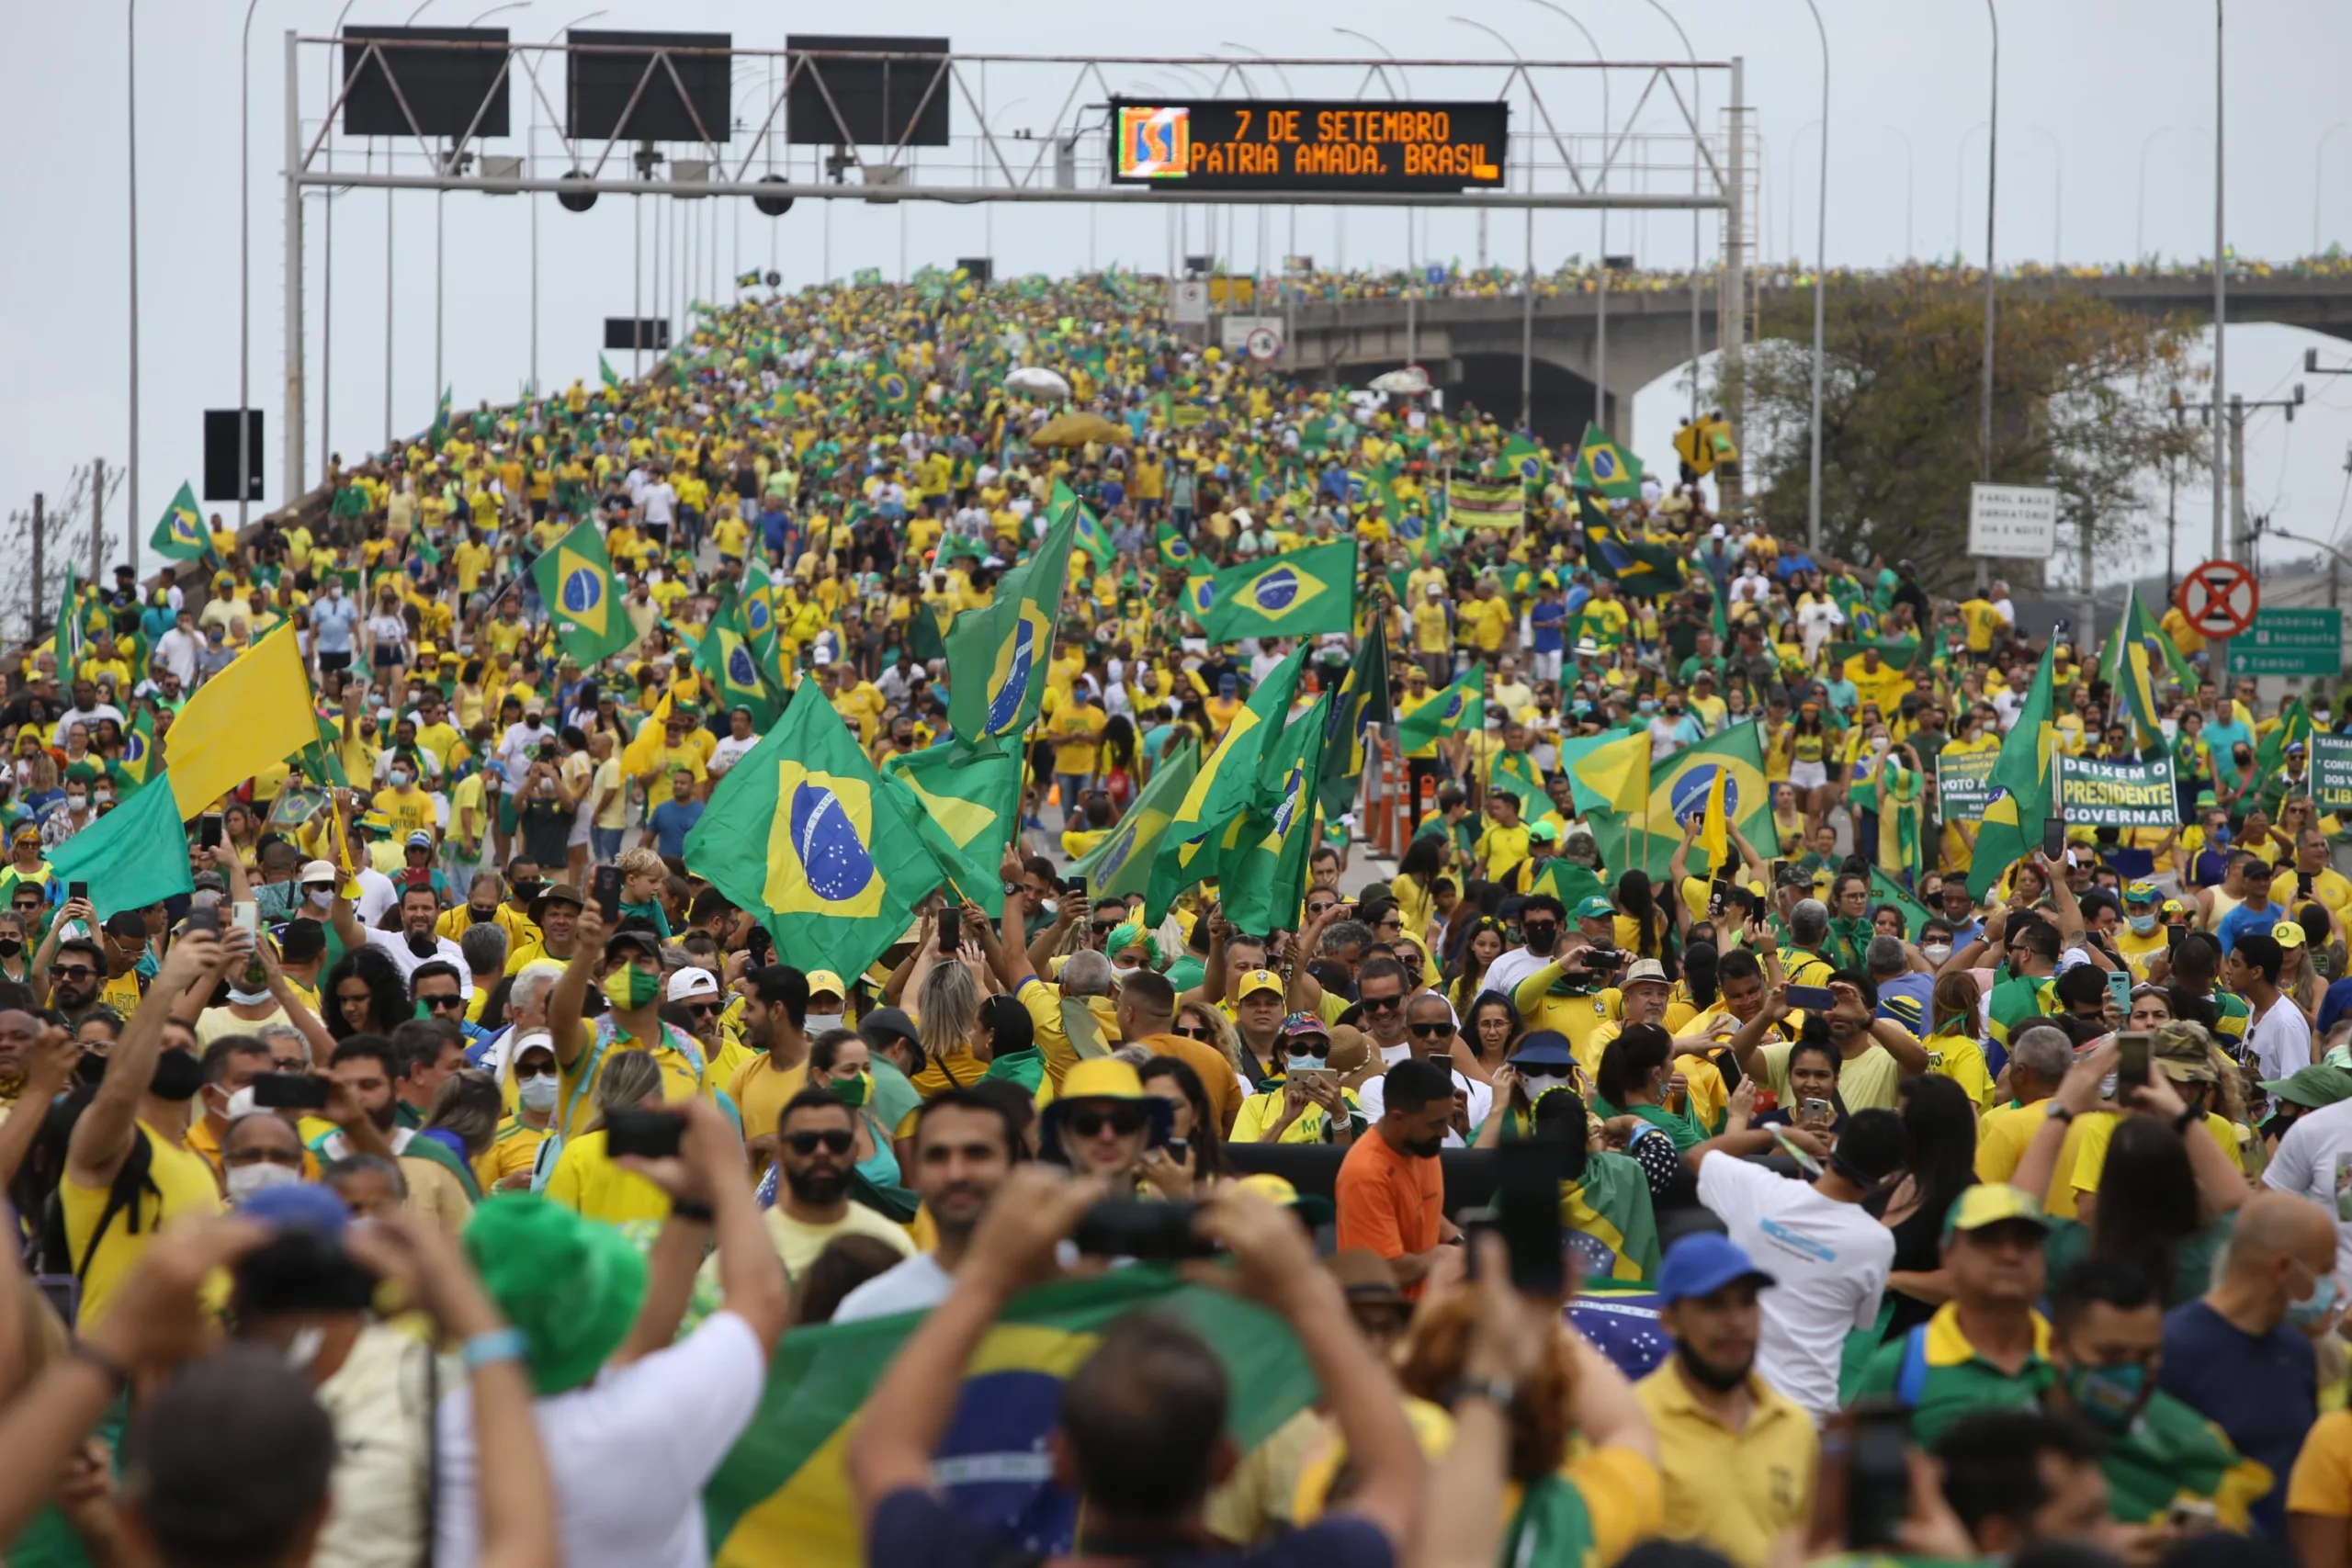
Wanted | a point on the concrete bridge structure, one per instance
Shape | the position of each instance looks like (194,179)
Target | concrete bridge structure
(1473,348)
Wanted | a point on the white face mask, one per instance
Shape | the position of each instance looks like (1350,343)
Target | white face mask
(821,1022)
(320,898)
(248,999)
(244,1181)
(1936,951)
(537,1093)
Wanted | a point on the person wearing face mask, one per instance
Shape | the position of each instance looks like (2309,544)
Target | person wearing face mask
(2106,1356)
(2241,1354)
(528,1078)
(628,964)
(230,1063)
(2142,936)
(406,806)
(412,944)
(128,1168)
(1390,1192)
(1540,917)
(1306,1105)
(15,961)
(259,1150)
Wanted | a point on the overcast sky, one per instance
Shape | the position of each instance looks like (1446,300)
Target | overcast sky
(2101,78)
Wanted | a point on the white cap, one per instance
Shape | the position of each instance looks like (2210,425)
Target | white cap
(690,982)
(320,871)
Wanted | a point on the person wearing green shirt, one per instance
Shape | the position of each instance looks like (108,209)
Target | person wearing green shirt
(2024,996)
(1986,1348)
(2107,1346)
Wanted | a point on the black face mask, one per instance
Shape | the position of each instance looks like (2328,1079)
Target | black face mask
(91,1069)
(479,916)
(10,946)
(178,1075)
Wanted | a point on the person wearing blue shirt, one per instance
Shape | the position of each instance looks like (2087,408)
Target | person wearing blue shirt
(333,619)
(1547,621)
(667,825)
(2257,913)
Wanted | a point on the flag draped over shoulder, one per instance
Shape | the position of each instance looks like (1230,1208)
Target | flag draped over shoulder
(2023,788)
(252,716)
(1611,1224)
(1121,864)
(969,800)
(1300,593)
(180,532)
(1461,705)
(781,1495)
(805,831)
(133,856)
(1209,821)
(998,656)
(575,581)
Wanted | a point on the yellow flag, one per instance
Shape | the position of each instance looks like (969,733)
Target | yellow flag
(252,715)
(643,753)
(1713,836)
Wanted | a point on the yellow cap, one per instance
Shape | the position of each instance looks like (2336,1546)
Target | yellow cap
(1255,981)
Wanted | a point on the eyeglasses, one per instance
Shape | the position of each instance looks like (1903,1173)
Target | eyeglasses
(1325,908)
(1127,1121)
(1383,1004)
(71,972)
(1197,1032)
(1104,928)
(835,1140)
(1392,923)
(438,1003)
(1432,1031)
(1540,931)
(704,1009)
(290,1158)
(1313,1045)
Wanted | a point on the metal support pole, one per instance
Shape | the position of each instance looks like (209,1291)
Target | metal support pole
(1820,293)
(293,435)
(2223,546)
(1527,333)
(1991,210)
(244,259)
(637,285)
(130,477)
(40,595)
(1731,292)
(440,199)
(388,308)
(2237,478)
(97,519)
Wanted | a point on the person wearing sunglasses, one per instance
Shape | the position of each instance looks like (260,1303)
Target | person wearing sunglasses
(1307,1106)
(1102,1121)
(695,1003)
(816,1151)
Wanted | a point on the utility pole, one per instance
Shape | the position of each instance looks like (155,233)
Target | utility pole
(2240,539)
(40,527)
(97,517)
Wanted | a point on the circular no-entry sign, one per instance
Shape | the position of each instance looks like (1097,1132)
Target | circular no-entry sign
(2219,598)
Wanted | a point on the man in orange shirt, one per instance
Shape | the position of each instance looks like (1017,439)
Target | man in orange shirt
(1391,1192)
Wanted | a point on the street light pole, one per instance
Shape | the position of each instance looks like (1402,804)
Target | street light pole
(1992,207)
(1820,291)
(2221,541)
(1697,120)
(326,274)
(244,259)
(131,473)
(1600,315)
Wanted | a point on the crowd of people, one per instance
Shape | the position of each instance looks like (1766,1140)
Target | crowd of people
(435,1178)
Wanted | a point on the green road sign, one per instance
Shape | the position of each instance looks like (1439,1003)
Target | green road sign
(2290,642)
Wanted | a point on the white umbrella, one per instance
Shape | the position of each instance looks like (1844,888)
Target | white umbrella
(1038,381)
(1411,381)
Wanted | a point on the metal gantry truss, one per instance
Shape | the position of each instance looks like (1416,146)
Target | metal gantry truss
(1662,142)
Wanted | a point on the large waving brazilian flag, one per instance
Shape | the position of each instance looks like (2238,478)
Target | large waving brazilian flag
(575,580)
(1175,550)
(1677,790)
(1300,593)
(728,661)
(1208,823)
(1121,864)
(180,532)
(1603,466)
(1265,879)
(1364,701)
(2024,790)
(805,832)
(781,1495)
(1461,705)
(996,656)
(969,800)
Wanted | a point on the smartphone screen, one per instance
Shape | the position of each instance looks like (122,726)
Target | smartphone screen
(2131,1067)
(208,832)
(1527,1212)
(78,891)
(2118,987)
(607,886)
(2173,931)
(290,1091)
(653,1135)
(1812,998)
(2054,837)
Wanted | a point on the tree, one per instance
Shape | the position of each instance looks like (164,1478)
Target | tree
(2082,400)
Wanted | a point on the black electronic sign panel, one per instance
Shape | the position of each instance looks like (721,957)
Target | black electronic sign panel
(1310,144)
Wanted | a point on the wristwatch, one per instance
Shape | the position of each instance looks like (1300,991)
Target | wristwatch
(1496,1392)
(2058,1112)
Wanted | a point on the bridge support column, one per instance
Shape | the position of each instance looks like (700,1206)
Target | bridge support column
(1731,303)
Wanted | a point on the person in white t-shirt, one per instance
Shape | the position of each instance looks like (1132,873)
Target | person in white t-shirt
(964,1147)
(2277,1036)
(2315,1159)
(1830,1257)
(630,1446)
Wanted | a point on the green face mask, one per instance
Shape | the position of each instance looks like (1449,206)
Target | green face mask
(629,988)
(850,1092)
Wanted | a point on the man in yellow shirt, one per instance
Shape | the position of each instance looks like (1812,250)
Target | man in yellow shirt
(1485,619)
(1433,634)
(1075,730)
(1982,619)
(1737,1456)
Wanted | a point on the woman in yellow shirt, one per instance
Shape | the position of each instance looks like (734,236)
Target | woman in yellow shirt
(585,1178)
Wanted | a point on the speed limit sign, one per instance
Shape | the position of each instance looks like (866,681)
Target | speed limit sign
(1263,343)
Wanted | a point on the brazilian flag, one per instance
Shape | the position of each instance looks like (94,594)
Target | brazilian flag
(1208,822)
(575,580)
(138,743)
(1175,550)
(1612,1227)
(1525,458)
(606,373)
(998,656)
(748,279)
(758,606)
(1199,597)
(728,662)
(803,831)
(1461,705)
(1364,701)
(894,391)
(1265,883)
(1602,466)
(1091,537)
(1121,864)
(1642,570)
(441,418)
(781,1495)
(180,532)
(2025,793)
(969,806)
(1298,594)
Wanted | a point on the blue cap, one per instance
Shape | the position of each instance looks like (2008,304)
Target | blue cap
(304,1204)
(1702,1263)
(1544,1048)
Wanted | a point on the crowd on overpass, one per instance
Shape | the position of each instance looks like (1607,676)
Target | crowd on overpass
(742,964)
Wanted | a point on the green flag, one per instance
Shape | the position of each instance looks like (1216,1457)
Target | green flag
(1121,864)
(1600,466)
(1678,791)
(1175,550)
(748,279)
(575,582)
(894,391)
(133,856)
(2127,664)
(968,809)
(1265,879)
(180,532)
(2022,799)
(1364,700)
(1884,889)
(1525,458)
(1207,822)
(139,742)
(441,419)
(604,371)
(1300,593)
(725,658)
(758,606)
(782,1495)
(924,640)
(1637,567)
(996,656)
(320,761)
(803,831)
(1461,705)
(70,635)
